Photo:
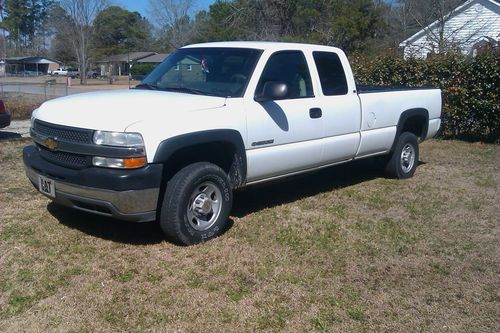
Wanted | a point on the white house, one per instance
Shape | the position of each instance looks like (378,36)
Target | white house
(473,23)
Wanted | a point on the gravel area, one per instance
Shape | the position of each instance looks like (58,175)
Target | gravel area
(17,129)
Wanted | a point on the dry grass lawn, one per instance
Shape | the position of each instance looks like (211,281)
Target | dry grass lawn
(21,105)
(340,250)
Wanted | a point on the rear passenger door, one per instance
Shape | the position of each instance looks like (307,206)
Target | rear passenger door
(340,105)
(283,135)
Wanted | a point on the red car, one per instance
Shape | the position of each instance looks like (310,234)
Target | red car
(4,116)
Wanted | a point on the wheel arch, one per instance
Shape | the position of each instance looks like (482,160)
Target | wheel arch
(415,121)
(223,147)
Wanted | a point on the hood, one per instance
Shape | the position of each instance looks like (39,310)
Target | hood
(116,110)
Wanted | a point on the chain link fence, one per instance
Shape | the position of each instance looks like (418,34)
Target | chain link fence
(42,90)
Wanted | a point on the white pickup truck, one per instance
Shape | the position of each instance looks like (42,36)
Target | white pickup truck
(71,72)
(59,71)
(216,117)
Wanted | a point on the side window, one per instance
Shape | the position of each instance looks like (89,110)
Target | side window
(291,68)
(331,73)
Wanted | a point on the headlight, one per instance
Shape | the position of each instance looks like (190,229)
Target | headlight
(119,139)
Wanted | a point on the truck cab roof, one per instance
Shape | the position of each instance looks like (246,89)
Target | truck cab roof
(272,46)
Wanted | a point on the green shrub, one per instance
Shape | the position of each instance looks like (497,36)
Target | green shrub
(470,88)
(142,69)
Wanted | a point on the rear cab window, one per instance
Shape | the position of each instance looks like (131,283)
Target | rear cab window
(331,73)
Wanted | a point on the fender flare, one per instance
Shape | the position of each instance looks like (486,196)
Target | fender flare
(171,145)
(405,115)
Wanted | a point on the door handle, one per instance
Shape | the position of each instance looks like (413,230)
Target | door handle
(315,113)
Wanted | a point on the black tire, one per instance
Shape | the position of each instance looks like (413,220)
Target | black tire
(196,204)
(403,161)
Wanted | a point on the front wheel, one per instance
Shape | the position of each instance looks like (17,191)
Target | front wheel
(196,204)
(403,161)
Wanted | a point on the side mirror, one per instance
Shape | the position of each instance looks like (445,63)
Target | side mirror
(272,90)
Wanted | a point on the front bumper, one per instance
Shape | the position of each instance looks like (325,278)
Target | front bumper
(130,195)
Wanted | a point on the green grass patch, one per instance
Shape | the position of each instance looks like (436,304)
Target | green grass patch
(340,250)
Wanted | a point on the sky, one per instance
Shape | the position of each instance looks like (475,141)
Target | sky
(142,6)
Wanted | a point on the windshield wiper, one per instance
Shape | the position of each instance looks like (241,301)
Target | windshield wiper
(189,91)
(148,86)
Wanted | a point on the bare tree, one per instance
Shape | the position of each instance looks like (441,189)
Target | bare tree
(4,39)
(82,14)
(270,20)
(173,18)
(403,17)
(441,11)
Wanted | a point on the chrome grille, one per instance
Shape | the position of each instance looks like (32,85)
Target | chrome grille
(73,161)
(70,134)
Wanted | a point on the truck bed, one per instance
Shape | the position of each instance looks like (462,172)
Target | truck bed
(381,109)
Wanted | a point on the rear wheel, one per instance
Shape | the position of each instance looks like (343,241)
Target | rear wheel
(403,161)
(196,204)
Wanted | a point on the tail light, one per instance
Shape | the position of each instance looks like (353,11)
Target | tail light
(2,107)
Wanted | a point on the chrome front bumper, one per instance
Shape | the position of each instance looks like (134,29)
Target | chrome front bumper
(132,205)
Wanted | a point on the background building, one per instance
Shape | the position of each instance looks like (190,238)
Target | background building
(473,24)
(120,64)
(28,66)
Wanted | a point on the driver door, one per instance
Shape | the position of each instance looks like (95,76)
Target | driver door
(283,135)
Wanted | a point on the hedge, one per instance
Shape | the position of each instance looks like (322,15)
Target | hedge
(142,69)
(471,88)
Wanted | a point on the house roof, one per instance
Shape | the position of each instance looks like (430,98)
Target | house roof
(458,10)
(132,56)
(31,60)
(155,58)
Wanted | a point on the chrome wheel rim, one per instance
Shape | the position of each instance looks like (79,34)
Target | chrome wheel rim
(204,206)
(407,158)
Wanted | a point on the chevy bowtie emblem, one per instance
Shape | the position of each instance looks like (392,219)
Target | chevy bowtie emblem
(51,143)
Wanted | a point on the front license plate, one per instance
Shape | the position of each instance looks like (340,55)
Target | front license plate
(46,186)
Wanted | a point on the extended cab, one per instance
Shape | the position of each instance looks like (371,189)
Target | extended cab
(216,117)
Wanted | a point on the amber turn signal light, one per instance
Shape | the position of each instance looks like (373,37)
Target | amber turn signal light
(137,162)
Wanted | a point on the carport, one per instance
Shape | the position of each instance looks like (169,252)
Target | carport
(29,66)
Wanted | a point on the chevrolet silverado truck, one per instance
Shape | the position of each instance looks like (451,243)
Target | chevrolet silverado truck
(216,117)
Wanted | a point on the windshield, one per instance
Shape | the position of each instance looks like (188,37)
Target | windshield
(204,71)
